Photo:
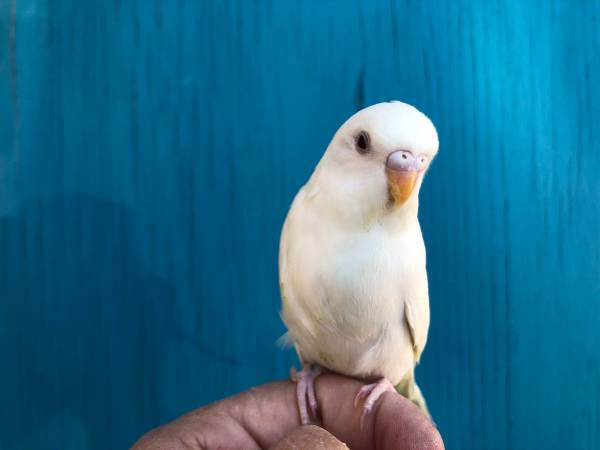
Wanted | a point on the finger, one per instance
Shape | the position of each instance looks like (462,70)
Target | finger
(255,419)
(269,412)
(394,423)
(310,436)
(262,416)
(400,424)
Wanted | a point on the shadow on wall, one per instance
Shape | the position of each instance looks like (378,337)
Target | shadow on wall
(81,322)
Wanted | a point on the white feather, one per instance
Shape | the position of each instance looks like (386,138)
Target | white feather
(349,263)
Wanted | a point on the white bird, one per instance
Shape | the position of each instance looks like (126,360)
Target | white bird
(352,257)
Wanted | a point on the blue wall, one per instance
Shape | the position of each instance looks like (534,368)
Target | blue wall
(149,152)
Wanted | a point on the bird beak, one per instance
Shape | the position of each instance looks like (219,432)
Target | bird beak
(402,171)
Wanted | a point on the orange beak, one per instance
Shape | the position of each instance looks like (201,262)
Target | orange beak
(401,169)
(401,184)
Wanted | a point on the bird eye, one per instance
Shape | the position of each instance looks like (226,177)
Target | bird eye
(422,161)
(363,142)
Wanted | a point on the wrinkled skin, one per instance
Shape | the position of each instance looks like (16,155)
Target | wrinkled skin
(267,416)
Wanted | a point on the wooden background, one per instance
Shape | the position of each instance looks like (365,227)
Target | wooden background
(149,151)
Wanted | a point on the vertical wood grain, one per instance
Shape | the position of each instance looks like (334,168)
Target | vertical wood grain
(149,152)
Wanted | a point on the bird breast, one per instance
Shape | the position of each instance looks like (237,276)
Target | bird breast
(344,293)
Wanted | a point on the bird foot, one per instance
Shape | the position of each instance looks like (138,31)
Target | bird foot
(370,393)
(305,390)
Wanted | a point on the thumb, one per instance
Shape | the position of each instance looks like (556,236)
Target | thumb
(310,437)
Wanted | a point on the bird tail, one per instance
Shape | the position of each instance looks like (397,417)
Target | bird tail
(285,341)
(409,389)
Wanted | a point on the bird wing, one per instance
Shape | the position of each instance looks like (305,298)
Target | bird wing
(293,312)
(416,318)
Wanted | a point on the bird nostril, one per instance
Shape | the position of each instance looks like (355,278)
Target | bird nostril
(402,160)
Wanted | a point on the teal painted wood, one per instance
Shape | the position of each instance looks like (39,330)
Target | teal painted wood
(149,152)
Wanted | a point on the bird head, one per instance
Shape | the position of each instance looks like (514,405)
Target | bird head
(376,161)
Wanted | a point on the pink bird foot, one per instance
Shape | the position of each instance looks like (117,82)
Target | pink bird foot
(305,390)
(370,393)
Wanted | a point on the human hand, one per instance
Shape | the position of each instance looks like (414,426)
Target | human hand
(267,417)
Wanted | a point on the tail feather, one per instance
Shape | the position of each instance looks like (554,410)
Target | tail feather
(408,388)
(285,341)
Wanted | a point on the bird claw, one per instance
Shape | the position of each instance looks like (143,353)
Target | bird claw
(370,393)
(305,391)
(362,394)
